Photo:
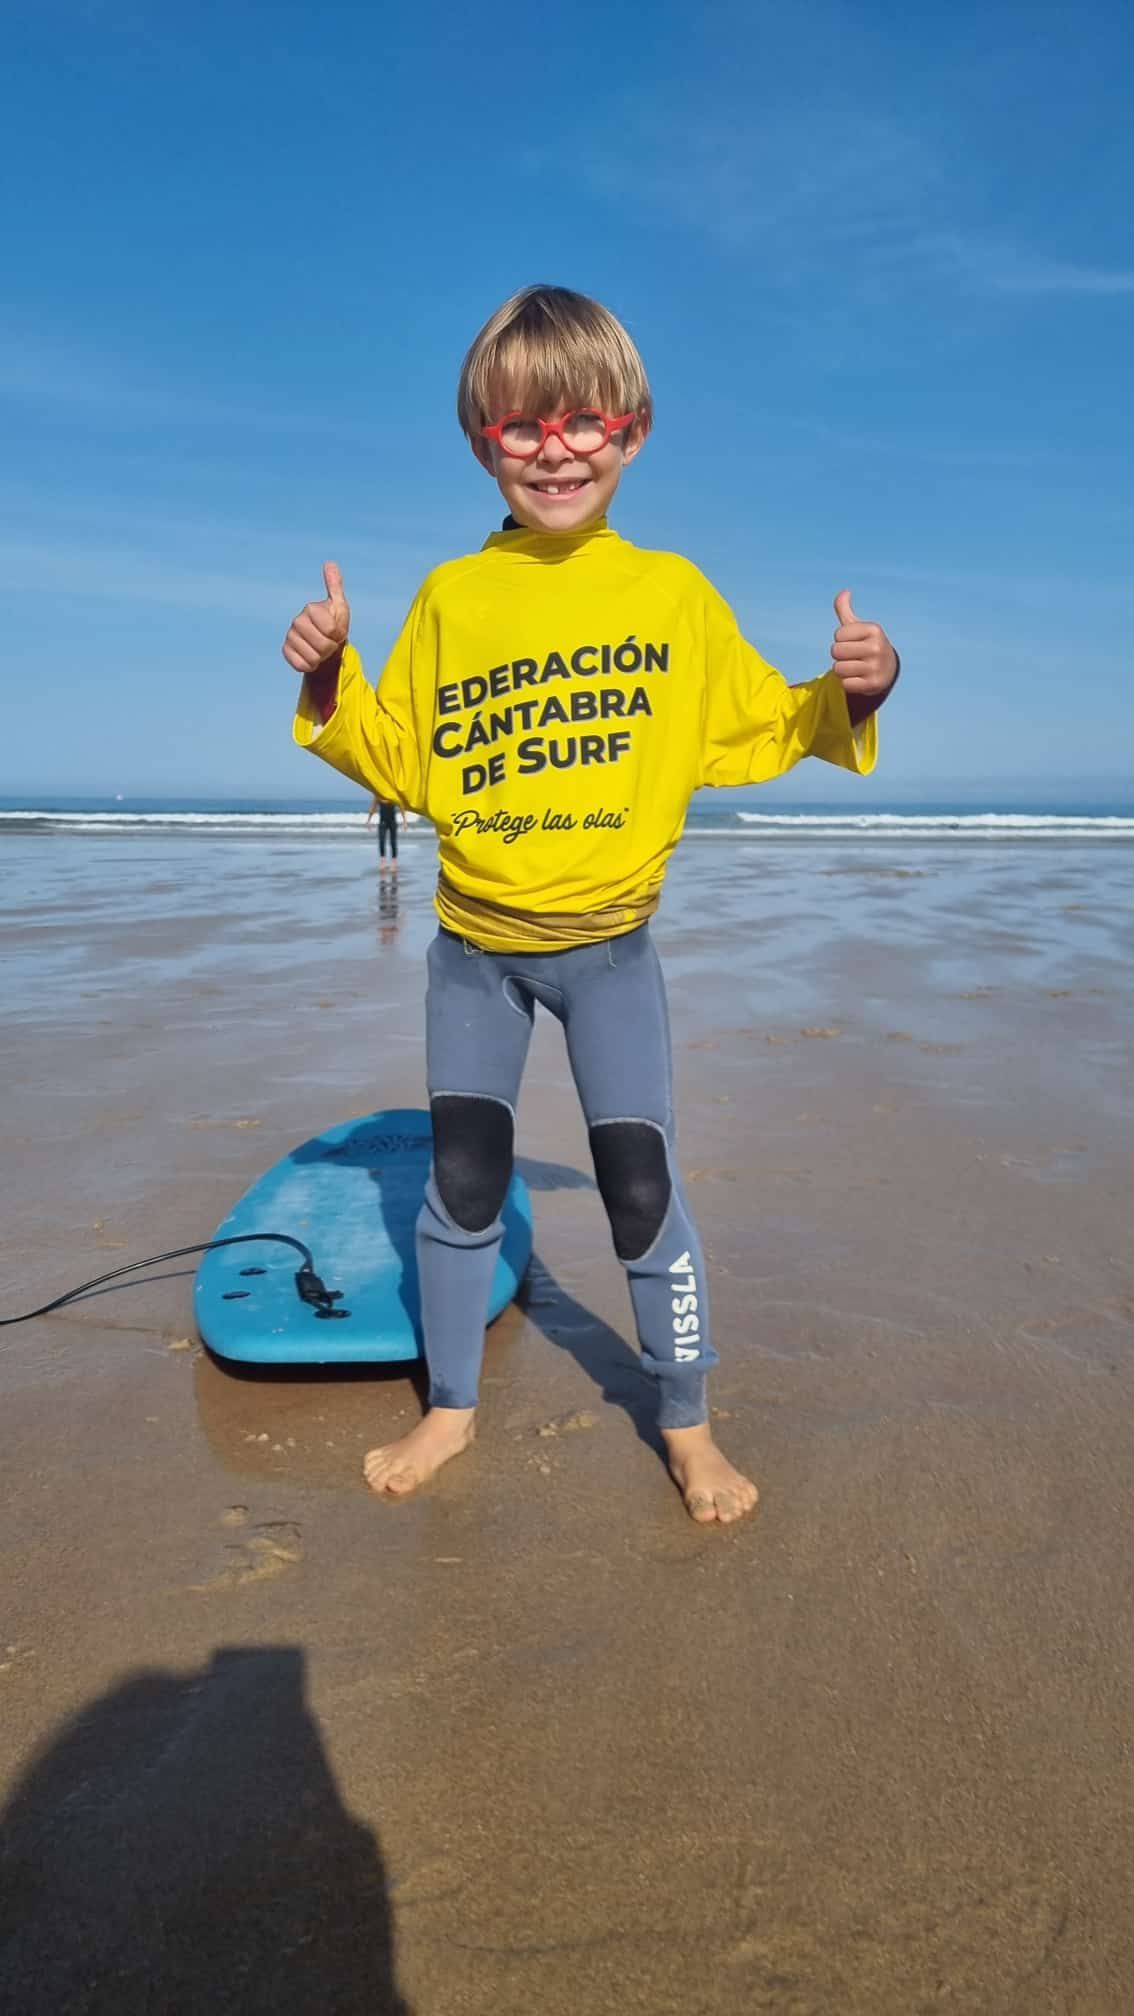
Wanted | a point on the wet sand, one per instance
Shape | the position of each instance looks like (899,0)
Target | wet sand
(534,1741)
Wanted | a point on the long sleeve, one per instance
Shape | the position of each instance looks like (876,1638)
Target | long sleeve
(756,726)
(372,735)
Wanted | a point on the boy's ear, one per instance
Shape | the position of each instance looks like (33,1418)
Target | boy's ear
(482,449)
(634,438)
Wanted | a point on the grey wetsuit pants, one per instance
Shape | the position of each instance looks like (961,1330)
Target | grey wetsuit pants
(610,999)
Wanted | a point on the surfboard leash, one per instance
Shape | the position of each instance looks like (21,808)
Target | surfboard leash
(309,1287)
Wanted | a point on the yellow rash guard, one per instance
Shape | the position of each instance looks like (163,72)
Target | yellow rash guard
(552,704)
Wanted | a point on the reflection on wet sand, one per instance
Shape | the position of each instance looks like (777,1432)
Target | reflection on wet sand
(388,908)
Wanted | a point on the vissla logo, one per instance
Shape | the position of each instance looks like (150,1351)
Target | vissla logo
(686,1310)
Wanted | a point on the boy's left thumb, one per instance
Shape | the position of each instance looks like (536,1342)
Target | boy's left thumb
(843,609)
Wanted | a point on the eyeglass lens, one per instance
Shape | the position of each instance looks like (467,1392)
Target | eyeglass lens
(584,433)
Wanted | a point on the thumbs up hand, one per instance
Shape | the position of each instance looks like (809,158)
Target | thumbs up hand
(862,654)
(320,630)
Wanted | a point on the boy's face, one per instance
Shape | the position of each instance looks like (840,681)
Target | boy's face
(559,490)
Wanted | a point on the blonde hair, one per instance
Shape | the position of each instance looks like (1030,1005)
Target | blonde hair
(547,347)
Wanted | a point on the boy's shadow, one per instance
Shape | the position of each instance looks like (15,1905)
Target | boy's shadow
(181,1845)
(604,1356)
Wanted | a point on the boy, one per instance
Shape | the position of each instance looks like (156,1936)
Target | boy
(551,705)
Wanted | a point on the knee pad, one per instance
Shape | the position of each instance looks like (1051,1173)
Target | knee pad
(632,1168)
(472,1157)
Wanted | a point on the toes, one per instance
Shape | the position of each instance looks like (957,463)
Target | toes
(724,1503)
(391,1483)
(385,1477)
(737,1504)
(399,1483)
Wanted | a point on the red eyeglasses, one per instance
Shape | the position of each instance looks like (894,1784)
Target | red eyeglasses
(582,433)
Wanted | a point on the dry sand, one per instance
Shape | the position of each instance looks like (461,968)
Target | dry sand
(535,1742)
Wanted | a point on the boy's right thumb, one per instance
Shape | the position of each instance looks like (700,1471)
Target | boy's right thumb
(333,582)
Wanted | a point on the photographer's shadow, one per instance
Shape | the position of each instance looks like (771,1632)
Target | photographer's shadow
(181,1846)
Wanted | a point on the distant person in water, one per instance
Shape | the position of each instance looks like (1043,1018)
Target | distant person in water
(387,812)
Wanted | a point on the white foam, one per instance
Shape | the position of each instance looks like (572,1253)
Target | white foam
(214,822)
(943,825)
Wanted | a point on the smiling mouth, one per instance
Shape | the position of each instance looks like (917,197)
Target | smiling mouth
(560,489)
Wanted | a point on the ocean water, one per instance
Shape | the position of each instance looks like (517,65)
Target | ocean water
(708,818)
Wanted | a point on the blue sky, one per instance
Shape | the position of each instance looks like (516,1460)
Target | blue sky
(879,261)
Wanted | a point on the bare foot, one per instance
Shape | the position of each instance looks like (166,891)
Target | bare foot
(712,1489)
(399,1468)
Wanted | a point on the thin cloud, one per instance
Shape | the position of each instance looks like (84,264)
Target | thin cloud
(37,373)
(870,216)
(1007,269)
(1014,590)
(959,455)
(91,518)
(743,181)
(124,575)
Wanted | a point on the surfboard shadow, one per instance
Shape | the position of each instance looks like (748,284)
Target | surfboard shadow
(181,1844)
(552,1175)
(397,1196)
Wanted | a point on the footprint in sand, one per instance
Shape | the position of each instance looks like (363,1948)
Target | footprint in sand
(243,1120)
(567,1424)
(922,1949)
(270,1549)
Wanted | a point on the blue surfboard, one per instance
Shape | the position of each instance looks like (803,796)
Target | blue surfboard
(350,1197)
